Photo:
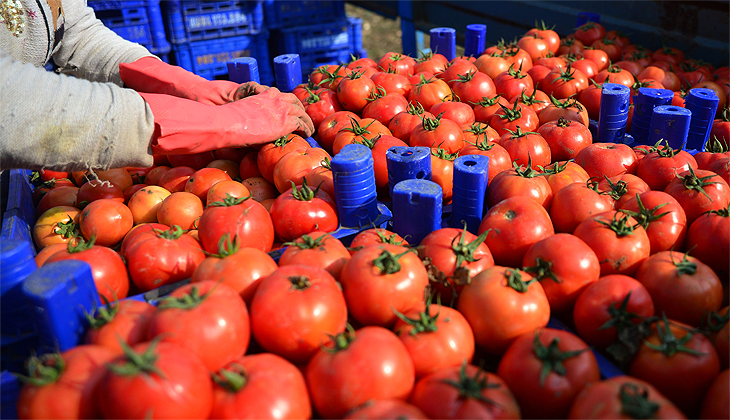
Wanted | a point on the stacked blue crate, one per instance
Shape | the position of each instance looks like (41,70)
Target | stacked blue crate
(205,36)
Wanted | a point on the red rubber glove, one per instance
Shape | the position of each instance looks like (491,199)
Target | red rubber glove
(151,75)
(183,126)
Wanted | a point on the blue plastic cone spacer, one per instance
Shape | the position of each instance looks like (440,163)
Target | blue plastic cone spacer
(703,104)
(288,71)
(243,69)
(585,17)
(58,294)
(614,113)
(443,41)
(407,163)
(355,193)
(416,209)
(471,173)
(644,103)
(475,41)
(17,262)
(670,123)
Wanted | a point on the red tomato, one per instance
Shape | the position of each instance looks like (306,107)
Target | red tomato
(431,62)
(295,309)
(153,177)
(458,112)
(534,46)
(290,170)
(381,278)
(331,125)
(442,172)
(698,192)
(401,64)
(661,216)
(520,181)
(383,107)
(386,409)
(570,109)
(438,133)
(615,74)
(530,368)
(260,386)
(622,188)
(323,177)
(472,86)
(134,233)
(59,196)
(487,107)
(429,92)
(375,355)
(619,241)
(499,159)
(231,168)
(392,82)
(714,252)
(492,65)
(365,129)
(271,153)
(659,167)
(145,203)
(538,73)
(301,210)
(375,236)
(505,119)
(235,154)
(457,70)
(598,56)
(713,405)
(403,123)
(354,90)
(169,381)
(245,219)
(667,78)
(564,83)
(537,100)
(203,179)
(670,54)
(320,104)
(526,148)
(562,174)
(127,320)
(575,203)
(106,220)
(570,45)
(588,67)
(589,32)
(516,223)
(607,159)
(182,209)
(97,190)
(465,392)
(223,189)
(317,249)
(565,138)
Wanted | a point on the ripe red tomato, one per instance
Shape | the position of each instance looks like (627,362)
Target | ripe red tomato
(127,320)
(260,386)
(383,107)
(596,55)
(106,220)
(659,167)
(221,190)
(538,73)
(458,112)
(59,196)
(534,46)
(570,45)
(526,148)
(317,249)
(245,219)
(153,177)
(358,132)
(97,190)
(376,356)
(714,252)
(589,32)
(375,236)
(607,159)
(353,91)
(492,65)
(320,104)
(472,86)
(713,405)
(570,109)
(661,216)
(442,171)
(293,166)
(519,115)
(563,83)
(231,168)
(562,174)
(331,125)
(622,188)
(543,389)
(392,82)
(457,70)
(403,123)
(565,138)
(576,203)
(537,100)
(301,210)
(667,78)
(272,152)
(520,181)
(401,64)
(487,107)
(429,92)
(503,293)
(431,62)
(203,179)
(516,223)
(438,133)
(386,409)
(176,178)
(323,177)
(499,159)
(699,191)
(381,278)
(615,74)
(295,309)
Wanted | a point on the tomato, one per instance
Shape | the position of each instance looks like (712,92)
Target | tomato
(40,190)
(680,363)
(182,209)
(301,210)
(575,203)
(375,236)
(195,160)
(471,87)
(457,70)
(589,32)
(392,82)
(588,67)
(353,91)
(667,78)
(156,258)
(516,223)
(713,405)
(153,177)
(259,188)
(562,174)
(365,129)
(106,220)
(607,159)
(458,112)
(322,177)
(590,97)
(380,278)
(59,196)
(235,154)
(631,66)
(717,327)
(134,234)
(331,125)
(550,36)
(176,178)
(570,45)
(401,64)
(622,188)
(219,191)
(431,62)
(375,356)
(506,119)
(126,320)
(203,180)
(320,104)
(564,265)
(543,389)
(535,46)
(47,175)
(117,176)
(45,253)
(698,192)
(715,252)
(145,203)
(513,83)
(466,392)
(565,138)
(295,309)
(487,107)
(403,123)
(437,133)
(492,65)
(499,159)
(442,171)
(271,153)
(62,386)
(670,54)
(169,381)
(537,100)
(538,73)
(570,109)
(520,181)
(661,216)
(229,167)
(503,293)
(383,107)
(386,409)
(526,148)
(659,167)
(616,75)
(599,57)
(97,190)
(563,83)
(622,397)
(260,386)
(429,92)
(290,170)
(245,219)
(317,249)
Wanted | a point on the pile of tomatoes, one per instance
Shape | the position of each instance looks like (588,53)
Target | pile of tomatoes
(629,247)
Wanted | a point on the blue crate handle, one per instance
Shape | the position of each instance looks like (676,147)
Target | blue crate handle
(670,123)
(471,173)
(243,69)
(644,103)
(355,193)
(476,37)
(702,103)
(288,72)
(417,208)
(614,113)
(407,163)
(585,17)
(443,41)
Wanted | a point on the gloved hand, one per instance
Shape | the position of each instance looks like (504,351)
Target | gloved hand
(183,126)
(151,75)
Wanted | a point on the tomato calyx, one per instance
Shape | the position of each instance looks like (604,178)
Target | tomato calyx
(552,357)
(465,251)
(388,263)
(424,323)
(325,163)
(340,341)
(376,93)
(669,344)
(635,401)
(617,190)
(567,103)
(304,193)
(692,182)
(369,143)
(443,154)
(415,108)
(553,169)
(67,229)
(620,225)
(229,201)
(562,122)
(80,245)
(639,84)
(282,141)
(516,134)
(100,316)
(717,146)
(135,363)
(529,100)
(514,280)
(565,75)
(517,74)
(173,233)
(464,78)
(227,246)
(543,27)
(313,98)
(714,322)
(487,102)
(684,266)
(189,300)
(299,282)
(308,242)
(43,370)
(356,129)
(232,378)
(472,386)
(543,269)
(483,145)
(725,212)
(424,82)
(629,335)
(512,114)
(525,171)
(431,124)
(330,77)
(665,151)
(645,216)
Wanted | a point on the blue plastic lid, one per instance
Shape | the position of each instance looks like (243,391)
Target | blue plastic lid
(243,69)
(288,71)
(443,41)
(475,41)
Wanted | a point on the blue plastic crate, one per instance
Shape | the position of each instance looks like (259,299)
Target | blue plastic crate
(325,43)
(209,58)
(281,14)
(195,21)
(131,23)
(355,27)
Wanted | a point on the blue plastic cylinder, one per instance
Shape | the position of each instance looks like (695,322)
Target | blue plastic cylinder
(703,104)
(670,123)
(416,209)
(471,173)
(288,71)
(644,103)
(17,262)
(443,41)
(614,113)
(243,69)
(584,17)
(355,193)
(58,294)
(407,163)
(475,41)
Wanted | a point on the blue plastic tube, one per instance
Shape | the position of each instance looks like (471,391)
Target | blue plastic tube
(416,209)
(243,69)
(354,179)
(58,294)
(475,41)
(614,113)
(407,163)
(443,41)
(670,123)
(288,72)
(471,173)
(703,104)
(644,103)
